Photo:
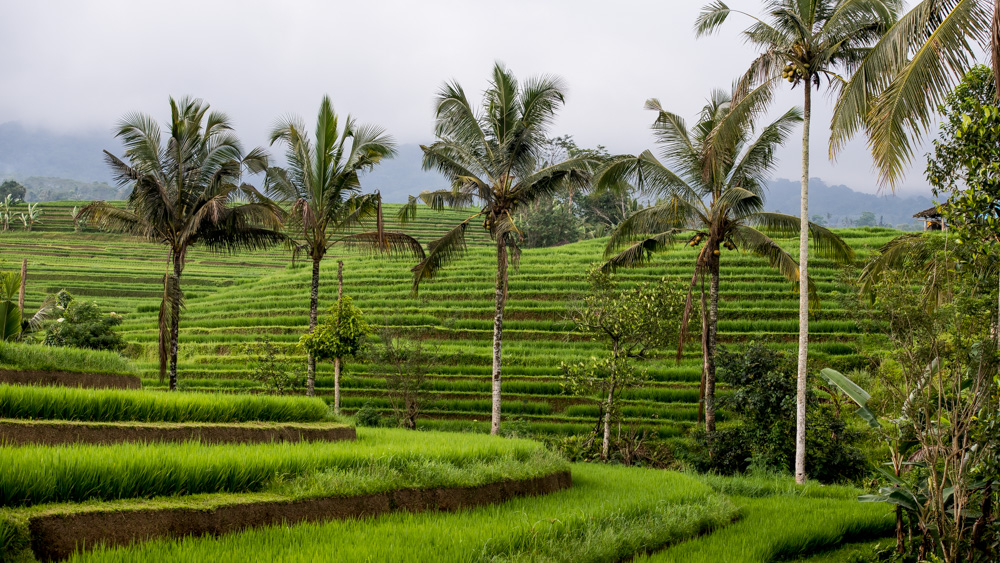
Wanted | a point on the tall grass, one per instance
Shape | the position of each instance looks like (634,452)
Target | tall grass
(781,521)
(44,474)
(116,405)
(37,357)
(608,514)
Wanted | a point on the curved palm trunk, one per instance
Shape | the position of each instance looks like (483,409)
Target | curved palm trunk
(336,361)
(711,340)
(175,320)
(802,383)
(313,309)
(501,303)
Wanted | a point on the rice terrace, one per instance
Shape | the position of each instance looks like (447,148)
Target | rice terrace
(503,343)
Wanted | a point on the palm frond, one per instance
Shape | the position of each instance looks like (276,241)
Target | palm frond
(640,252)
(827,244)
(440,253)
(904,111)
(748,239)
(670,217)
(387,242)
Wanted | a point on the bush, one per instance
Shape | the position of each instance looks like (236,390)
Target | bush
(763,436)
(275,373)
(83,325)
(367,416)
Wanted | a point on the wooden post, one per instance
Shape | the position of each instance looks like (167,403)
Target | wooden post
(24,280)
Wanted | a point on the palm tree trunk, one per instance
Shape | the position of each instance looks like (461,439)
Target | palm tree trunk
(313,311)
(800,395)
(501,303)
(175,320)
(606,443)
(336,361)
(713,328)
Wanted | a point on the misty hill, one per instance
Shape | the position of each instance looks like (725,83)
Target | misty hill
(840,205)
(70,166)
(27,152)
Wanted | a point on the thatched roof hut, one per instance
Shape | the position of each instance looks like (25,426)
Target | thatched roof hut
(933,221)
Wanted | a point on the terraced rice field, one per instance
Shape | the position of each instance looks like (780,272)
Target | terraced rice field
(232,299)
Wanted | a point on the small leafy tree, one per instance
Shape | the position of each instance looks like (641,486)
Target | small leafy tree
(269,367)
(81,324)
(340,335)
(404,365)
(632,323)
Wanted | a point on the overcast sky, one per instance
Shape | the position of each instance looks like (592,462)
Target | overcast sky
(80,65)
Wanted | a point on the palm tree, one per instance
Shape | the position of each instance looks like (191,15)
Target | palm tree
(711,185)
(186,190)
(895,92)
(320,184)
(804,41)
(493,156)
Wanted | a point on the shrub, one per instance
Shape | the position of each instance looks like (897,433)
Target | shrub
(367,416)
(83,325)
(763,437)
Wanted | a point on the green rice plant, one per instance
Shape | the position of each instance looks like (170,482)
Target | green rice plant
(36,357)
(32,475)
(609,514)
(781,521)
(116,405)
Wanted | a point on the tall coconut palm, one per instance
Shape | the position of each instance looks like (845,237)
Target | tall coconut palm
(186,190)
(493,156)
(895,92)
(711,182)
(804,41)
(321,185)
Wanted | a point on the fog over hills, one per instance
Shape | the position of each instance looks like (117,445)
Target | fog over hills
(60,166)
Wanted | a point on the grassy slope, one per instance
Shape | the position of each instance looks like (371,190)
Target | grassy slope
(233,299)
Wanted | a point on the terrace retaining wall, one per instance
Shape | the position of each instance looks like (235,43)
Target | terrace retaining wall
(16,432)
(70,379)
(55,537)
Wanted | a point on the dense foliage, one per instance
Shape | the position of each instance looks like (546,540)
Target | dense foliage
(81,324)
(762,435)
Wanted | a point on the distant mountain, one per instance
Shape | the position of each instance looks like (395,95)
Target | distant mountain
(25,152)
(840,206)
(56,166)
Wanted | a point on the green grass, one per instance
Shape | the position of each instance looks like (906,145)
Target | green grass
(780,520)
(609,514)
(117,405)
(32,475)
(36,357)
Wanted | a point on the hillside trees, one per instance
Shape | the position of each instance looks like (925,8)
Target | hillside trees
(802,42)
(492,155)
(186,189)
(320,184)
(710,185)
(16,191)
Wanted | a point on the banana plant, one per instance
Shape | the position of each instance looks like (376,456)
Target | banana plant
(13,325)
(5,213)
(30,217)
